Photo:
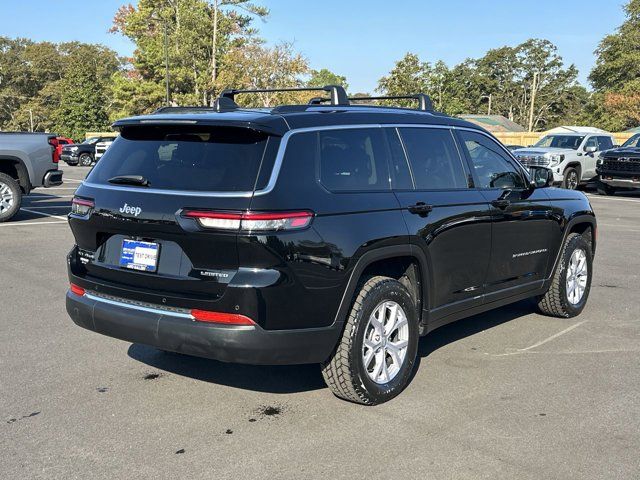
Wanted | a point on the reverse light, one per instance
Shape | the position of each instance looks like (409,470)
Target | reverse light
(223,318)
(81,206)
(251,221)
(77,290)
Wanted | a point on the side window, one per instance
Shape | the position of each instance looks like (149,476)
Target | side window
(400,174)
(604,143)
(434,158)
(353,160)
(591,142)
(491,166)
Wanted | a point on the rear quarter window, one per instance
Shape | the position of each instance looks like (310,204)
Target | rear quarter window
(217,159)
(352,160)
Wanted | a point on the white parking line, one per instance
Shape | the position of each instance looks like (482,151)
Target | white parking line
(47,195)
(541,342)
(45,214)
(73,180)
(55,222)
(50,206)
(600,197)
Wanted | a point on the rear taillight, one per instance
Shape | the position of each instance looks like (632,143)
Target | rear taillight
(77,289)
(81,206)
(54,153)
(251,221)
(218,317)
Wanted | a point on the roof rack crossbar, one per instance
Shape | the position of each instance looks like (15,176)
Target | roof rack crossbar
(338,96)
(424,101)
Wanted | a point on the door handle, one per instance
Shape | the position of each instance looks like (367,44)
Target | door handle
(501,203)
(420,208)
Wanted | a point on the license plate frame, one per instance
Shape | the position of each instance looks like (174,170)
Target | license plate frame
(139,255)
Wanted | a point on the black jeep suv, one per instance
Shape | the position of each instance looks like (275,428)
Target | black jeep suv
(327,232)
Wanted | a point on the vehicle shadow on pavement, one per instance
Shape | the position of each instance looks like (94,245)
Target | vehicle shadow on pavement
(302,378)
(260,378)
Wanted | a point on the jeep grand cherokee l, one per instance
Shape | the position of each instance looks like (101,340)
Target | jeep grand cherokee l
(322,233)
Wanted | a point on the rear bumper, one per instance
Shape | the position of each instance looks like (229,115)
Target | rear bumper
(173,332)
(52,178)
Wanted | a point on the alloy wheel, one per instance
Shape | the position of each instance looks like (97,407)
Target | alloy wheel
(6,198)
(577,275)
(386,339)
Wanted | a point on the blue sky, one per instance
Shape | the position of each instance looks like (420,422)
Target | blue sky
(362,39)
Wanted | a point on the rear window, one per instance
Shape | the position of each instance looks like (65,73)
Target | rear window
(217,159)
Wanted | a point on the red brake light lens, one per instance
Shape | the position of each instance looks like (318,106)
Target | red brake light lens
(81,206)
(77,290)
(252,221)
(54,152)
(224,318)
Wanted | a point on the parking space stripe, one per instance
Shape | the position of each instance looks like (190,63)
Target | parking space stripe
(600,197)
(43,213)
(14,224)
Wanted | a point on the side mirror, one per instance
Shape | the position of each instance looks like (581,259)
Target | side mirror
(590,149)
(541,177)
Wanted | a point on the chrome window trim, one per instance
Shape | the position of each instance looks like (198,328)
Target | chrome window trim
(277,164)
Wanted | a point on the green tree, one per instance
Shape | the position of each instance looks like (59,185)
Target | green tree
(618,55)
(616,101)
(81,103)
(322,77)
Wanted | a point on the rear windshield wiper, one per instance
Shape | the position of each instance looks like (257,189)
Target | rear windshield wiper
(130,180)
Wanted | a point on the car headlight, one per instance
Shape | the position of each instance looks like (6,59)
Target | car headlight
(74,149)
(555,159)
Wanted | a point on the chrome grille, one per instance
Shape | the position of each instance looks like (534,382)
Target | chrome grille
(533,160)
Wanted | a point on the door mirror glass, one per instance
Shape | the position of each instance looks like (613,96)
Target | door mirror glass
(590,149)
(541,176)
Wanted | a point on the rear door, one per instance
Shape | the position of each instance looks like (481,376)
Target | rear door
(184,168)
(447,219)
(521,218)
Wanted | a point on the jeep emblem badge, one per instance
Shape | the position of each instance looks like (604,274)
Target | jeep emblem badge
(135,211)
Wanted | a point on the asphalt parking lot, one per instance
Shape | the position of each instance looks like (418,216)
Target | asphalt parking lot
(506,394)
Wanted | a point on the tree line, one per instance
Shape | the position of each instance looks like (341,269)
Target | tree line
(199,47)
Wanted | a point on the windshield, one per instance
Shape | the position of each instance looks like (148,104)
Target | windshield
(560,141)
(91,140)
(216,159)
(633,141)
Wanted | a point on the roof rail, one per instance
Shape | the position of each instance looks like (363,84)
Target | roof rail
(424,101)
(338,96)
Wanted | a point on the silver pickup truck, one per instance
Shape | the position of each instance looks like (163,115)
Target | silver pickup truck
(27,161)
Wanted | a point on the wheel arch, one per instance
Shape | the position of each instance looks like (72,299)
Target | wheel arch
(581,223)
(406,263)
(16,168)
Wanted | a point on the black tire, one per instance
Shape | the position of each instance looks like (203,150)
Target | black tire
(10,197)
(85,160)
(571,178)
(345,372)
(604,189)
(556,302)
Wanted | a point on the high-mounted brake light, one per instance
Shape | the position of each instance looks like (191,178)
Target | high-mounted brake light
(81,206)
(77,290)
(252,221)
(218,317)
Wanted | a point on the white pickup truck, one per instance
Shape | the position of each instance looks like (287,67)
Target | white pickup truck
(27,161)
(571,156)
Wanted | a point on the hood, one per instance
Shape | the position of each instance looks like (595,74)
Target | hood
(541,151)
(632,152)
